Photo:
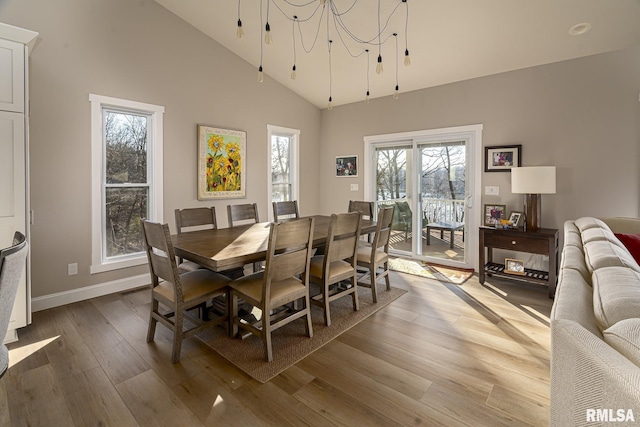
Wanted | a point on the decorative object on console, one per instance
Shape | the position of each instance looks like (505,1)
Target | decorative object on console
(502,158)
(221,159)
(514,266)
(532,182)
(493,214)
(516,219)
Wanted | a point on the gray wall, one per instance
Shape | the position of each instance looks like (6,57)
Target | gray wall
(582,115)
(137,50)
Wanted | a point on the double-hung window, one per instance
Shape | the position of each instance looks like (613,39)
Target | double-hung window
(126,179)
(283,164)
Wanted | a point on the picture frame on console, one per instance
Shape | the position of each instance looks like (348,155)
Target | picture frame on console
(493,214)
(514,266)
(221,162)
(516,219)
(501,158)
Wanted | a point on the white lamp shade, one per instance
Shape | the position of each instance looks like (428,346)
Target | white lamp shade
(533,180)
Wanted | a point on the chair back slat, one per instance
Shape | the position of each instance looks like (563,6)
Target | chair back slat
(366,208)
(289,251)
(244,212)
(195,217)
(344,233)
(383,227)
(288,208)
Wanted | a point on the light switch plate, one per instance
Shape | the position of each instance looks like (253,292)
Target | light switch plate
(491,190)
(354,187)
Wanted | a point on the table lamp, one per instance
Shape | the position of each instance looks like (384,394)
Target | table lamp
(532,182)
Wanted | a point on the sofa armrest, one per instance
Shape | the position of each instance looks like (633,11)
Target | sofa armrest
(623,225)
(588,375)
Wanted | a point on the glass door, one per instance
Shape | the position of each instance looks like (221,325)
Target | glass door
(431,178)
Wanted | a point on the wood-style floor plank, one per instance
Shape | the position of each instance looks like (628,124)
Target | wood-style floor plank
(442,354)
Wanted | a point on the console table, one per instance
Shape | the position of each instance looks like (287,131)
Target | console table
(544,241)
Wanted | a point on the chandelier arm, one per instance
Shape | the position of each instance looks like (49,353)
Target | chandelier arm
(293,19)
(371,40)
(315,39)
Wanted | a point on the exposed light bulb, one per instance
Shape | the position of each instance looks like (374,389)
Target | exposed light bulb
(240,31)
(396,95)
(260,75)
(366,98)
(407,58)
(268,39)
(379,68)
(293,72)
(330,105)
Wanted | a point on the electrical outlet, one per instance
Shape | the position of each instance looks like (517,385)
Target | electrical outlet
(72,269)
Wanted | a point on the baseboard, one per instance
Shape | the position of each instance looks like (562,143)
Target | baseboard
(67,297)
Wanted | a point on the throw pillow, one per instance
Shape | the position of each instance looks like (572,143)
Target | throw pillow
(624,336)
(632,243)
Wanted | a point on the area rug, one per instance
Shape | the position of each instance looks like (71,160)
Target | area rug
(290,343)
(430,271)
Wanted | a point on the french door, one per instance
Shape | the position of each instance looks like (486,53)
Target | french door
(431,178)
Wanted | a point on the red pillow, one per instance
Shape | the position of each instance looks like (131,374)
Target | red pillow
(632,243)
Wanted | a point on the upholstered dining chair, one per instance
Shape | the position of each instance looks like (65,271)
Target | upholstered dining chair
(178,292)
(288,209)
(242,214)
(374,258)
(192,219)
(338,263)
(12,266)
(285,279)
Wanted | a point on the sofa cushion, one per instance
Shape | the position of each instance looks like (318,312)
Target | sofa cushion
(574,300)
(624,336)
(600,234)
(632,243)
(602,253)
(616,295)
(585,223)
(573,258)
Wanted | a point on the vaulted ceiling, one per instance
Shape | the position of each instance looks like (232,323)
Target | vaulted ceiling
(448,40)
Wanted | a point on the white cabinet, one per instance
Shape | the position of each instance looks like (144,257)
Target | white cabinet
(14,151)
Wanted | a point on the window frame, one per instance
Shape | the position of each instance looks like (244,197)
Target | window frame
(294,135)
(99,262)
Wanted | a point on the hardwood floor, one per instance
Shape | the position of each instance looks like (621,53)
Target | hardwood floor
(442,354)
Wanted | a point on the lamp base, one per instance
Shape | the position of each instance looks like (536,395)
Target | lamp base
(533,209)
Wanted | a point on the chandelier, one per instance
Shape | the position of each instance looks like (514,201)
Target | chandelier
(332,15)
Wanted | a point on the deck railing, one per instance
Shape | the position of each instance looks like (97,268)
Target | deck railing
(436,210)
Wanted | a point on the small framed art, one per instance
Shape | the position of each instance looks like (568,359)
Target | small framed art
(502,158)
(221,160)
(347,166)
(514,266)
(516,219)
(493,214)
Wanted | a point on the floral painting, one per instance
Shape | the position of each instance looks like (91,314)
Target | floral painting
(221,156)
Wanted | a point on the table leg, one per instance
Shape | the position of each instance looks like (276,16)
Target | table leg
(428,236)
(451,244)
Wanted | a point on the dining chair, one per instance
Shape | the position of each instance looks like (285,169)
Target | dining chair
(288,209)
(338,263)
(178,292)
(12,266)
(193,219)
(374,257)
(284,280)
(245,213)
(366,208)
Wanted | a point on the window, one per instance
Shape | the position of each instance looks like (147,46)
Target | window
(283,164)
(126,179)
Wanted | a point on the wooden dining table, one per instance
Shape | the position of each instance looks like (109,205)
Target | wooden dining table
(228,248)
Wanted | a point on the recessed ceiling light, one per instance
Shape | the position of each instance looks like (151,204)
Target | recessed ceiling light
(579,29)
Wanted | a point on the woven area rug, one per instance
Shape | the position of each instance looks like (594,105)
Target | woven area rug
(290,344)
(430,271)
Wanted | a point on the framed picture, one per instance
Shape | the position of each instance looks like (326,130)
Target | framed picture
(493,214)
(514,266)
(347,166)
(516,219)
(502,158)
(221,162)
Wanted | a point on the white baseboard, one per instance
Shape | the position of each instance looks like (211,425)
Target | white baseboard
(67,297)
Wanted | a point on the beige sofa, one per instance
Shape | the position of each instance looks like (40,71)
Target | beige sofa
(595,326)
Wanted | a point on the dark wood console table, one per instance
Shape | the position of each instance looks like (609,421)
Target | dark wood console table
(543,242)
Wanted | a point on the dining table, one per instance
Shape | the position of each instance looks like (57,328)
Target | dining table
(224,249)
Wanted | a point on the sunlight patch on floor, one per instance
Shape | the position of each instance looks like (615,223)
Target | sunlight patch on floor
(18,354)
